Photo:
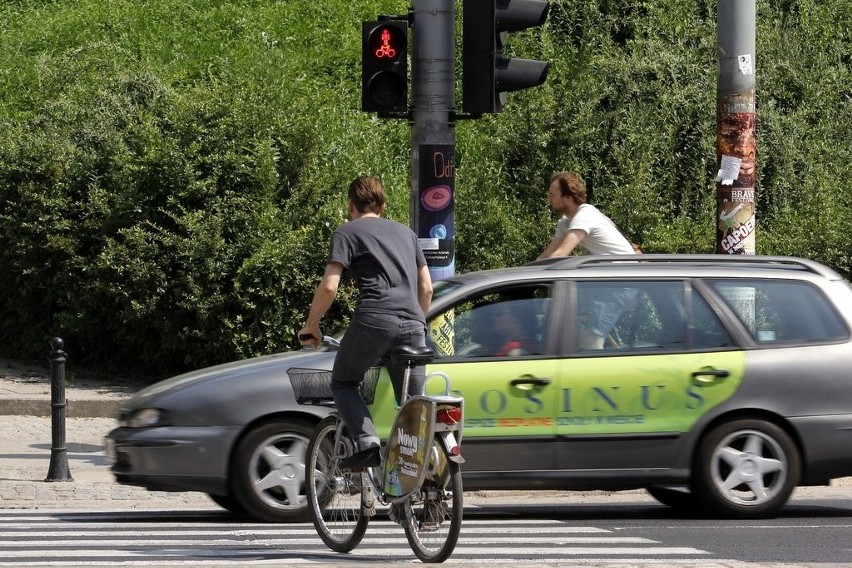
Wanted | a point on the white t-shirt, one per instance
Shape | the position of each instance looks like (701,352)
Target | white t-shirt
(602,236)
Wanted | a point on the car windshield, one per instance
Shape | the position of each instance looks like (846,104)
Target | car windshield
(443,287)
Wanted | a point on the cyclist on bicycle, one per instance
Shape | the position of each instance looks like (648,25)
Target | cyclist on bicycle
(394,292)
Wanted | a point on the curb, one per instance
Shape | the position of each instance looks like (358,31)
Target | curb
(74,408)
(78,495)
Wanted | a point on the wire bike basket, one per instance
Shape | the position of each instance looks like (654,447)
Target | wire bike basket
(313,386)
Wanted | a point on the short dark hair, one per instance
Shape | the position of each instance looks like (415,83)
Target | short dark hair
(367,194)
(570,185)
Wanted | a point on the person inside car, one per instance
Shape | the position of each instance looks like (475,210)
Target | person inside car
(499,330)
(510,325)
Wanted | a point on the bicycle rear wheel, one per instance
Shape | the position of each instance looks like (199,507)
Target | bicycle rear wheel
(436,513)
(334,496)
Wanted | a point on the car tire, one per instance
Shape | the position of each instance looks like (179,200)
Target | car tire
(268,471)
(746,469)
(680,498)
(228,503)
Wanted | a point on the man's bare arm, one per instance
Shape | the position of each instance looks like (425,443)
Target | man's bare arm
(323,298)
(424,288)
(564,246)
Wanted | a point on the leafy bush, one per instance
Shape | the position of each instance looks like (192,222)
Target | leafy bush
(171,170)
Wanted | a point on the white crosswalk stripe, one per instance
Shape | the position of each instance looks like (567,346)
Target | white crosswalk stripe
(154,538)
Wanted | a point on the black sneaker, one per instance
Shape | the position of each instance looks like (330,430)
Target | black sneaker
(398,514)
(365,458)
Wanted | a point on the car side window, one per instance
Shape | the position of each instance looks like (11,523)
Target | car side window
(653,317)
(778,311)
(508,322)
(630,316)
(706,330)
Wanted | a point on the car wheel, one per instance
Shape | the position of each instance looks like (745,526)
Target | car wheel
(228,503)
(268,471)
(680,498)
(746,469)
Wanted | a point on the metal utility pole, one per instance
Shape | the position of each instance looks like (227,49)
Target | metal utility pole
(433,135)
(735,127)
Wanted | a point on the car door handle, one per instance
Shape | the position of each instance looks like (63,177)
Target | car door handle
(529,382)
(709,376)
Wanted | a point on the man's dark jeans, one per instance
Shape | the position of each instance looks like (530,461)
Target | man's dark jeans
(369,338)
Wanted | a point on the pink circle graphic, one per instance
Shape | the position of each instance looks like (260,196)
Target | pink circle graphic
(437,197)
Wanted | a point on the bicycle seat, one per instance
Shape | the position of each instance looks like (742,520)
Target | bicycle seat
(412,355)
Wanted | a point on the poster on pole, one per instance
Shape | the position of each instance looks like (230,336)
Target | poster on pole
(735,204)
(436,208)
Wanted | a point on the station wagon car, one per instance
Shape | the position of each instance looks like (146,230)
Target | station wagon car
(723,385)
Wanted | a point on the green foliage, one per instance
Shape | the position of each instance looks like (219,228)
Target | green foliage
(171,170)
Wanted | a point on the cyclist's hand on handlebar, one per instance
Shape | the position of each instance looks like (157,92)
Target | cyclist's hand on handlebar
(310,336)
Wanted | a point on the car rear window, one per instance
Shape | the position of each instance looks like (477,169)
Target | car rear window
(782,311)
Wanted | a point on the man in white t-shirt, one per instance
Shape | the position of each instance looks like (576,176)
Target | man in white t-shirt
(584,226)
(581,224)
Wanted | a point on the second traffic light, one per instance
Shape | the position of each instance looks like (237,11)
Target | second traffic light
(486,75)
(384,67)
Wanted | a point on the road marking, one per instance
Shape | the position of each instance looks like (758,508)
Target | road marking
(177,539)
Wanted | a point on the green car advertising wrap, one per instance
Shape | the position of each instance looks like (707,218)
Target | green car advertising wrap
(651,393)
(593,395)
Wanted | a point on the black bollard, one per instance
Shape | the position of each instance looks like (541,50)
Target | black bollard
(58,469)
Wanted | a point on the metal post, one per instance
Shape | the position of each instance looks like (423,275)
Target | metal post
(735,127)
(433,136)
(58,469)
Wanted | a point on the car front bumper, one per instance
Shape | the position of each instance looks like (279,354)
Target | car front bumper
(172,458)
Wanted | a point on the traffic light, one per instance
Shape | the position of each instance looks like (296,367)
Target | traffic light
(486,75)
(384,67)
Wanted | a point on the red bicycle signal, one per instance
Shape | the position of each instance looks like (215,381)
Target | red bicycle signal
(386,49)
(387,42)
(384,66)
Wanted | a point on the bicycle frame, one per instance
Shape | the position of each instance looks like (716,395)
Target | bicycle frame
(407,454)
(419,475)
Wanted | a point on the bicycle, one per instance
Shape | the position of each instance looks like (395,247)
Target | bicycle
(419,476)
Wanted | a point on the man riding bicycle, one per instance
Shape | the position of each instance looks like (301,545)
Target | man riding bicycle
(394,292)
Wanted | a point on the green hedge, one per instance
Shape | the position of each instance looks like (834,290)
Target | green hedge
(171,170)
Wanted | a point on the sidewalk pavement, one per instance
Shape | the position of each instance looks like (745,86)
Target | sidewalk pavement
(26,439)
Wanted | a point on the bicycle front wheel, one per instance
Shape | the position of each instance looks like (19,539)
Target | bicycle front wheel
(435,514)
(334,496)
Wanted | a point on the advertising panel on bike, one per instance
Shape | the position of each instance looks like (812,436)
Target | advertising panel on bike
(409,442)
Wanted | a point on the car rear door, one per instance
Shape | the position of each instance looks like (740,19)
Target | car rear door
(667,361)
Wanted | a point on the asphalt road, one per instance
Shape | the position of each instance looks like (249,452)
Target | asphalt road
(813,529)
(519,532)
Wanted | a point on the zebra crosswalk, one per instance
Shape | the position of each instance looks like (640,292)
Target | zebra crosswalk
(205,538)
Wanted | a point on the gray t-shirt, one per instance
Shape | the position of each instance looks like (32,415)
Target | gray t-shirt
(383,257)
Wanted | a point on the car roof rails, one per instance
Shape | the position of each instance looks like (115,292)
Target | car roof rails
(788,262)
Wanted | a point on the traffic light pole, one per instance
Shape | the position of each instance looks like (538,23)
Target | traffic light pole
(433,135)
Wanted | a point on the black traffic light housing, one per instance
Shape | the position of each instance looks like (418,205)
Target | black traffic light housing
(486,75)
(384,67)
